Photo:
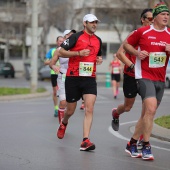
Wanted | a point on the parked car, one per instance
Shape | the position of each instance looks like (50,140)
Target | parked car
(44,72)
(7,69)
(27,66)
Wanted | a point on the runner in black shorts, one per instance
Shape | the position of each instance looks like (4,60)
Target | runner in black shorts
(130,86)
(115,68)
(54,75)
(81,75)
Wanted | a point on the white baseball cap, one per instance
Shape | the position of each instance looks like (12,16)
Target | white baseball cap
(90,18)
(68,31)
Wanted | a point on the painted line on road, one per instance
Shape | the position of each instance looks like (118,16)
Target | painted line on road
(118,135)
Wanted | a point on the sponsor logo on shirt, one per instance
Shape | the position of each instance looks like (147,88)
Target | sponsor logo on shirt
(151,37)
(161,43)
(66,42)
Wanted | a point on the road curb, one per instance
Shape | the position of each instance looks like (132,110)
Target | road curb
(157,132)
(24,96)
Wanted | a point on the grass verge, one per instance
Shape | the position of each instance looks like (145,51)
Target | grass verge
(163,121)
(4,91)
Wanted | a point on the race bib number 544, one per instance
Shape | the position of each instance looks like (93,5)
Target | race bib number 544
(86,68)
(157,59)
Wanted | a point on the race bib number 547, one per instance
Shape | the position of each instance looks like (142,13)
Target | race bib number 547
(157,59)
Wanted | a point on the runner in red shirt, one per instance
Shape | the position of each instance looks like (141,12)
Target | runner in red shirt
(115,68)
(129,83)
(84,52)
(151,61)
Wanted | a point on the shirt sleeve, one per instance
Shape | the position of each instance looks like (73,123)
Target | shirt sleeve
(48,55)
(134,38)
(69,43)
(100,49)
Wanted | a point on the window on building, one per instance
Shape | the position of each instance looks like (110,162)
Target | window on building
(104,50)
(114,47)
(16,52)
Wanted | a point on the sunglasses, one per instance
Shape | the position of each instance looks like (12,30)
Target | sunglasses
(149,18)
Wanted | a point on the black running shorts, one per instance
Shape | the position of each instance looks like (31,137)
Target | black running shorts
(76,86)
(130,87)
(54,79)
(115,77)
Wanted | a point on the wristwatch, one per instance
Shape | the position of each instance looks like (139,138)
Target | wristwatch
(132,66)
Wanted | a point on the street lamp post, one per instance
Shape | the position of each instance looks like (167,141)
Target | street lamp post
(34,46)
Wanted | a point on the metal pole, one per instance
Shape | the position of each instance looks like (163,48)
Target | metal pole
(34,56)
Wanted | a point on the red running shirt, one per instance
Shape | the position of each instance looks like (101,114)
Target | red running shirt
(153,41)
(116,65)
(80,65)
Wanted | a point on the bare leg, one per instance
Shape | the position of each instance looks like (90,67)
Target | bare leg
(55,100)
(126,107)
(145,123)
(89,100)
(69,111)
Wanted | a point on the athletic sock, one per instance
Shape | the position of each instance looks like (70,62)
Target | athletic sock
(84,139)
(146,143)
(133,141)
(56,107)
(116,115)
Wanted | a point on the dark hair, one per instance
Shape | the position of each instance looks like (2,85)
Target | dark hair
(59,37)
(144,12)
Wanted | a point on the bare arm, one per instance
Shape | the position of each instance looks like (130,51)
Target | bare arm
(54,60)
(131,50)
(122,57)
(99,60)
(47,61)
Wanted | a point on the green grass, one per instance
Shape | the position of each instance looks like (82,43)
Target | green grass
(4,91)
(163,121)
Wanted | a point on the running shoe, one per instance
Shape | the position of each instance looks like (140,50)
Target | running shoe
(55,113)
(82,107)
(87,145)
(61,131)
(132,150)
(140,144)
(146,153)
(115,121)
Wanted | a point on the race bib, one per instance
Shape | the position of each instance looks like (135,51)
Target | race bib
(85,68)
(157,59)
(116,70)
(63,77)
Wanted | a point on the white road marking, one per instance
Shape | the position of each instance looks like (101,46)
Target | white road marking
(118,135)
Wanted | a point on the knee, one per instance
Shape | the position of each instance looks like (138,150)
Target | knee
(54,93)
(151,111)
(89,110)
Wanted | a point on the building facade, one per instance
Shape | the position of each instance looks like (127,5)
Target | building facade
(118,19)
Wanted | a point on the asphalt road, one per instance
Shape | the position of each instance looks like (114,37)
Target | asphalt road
(28,135)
